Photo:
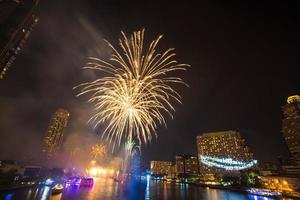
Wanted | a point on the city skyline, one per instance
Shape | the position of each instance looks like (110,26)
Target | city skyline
(132,99)
(226,94)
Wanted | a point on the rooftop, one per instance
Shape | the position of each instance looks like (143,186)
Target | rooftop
(293,98)
(217,133)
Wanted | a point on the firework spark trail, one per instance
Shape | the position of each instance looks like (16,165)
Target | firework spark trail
(136,92)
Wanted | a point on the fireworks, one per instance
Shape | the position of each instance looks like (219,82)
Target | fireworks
(130,148)
(136,91)
(98,150)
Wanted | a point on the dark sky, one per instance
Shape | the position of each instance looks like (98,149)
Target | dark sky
(244,59)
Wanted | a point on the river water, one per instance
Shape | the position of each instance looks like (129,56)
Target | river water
(107,189)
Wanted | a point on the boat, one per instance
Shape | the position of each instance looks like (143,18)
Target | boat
(264,192)
(73,181)
(87,182)
(57,189)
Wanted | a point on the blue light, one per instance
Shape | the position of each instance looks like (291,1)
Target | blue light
(8,196)
(49,181)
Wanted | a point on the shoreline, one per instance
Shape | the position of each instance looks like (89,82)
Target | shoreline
(232,189)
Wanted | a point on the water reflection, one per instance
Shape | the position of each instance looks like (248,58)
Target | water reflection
(147,191)
(129,190)
(45,192)
(55,197)
(8,196)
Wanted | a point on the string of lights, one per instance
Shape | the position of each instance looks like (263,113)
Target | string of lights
(226,163)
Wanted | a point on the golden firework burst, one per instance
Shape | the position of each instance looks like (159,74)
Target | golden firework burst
(136,91)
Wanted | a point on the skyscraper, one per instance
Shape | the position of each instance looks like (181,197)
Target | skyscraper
(223,144)
(54,137)
(291,127)
(17,19)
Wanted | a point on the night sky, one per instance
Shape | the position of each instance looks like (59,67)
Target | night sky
(244,60)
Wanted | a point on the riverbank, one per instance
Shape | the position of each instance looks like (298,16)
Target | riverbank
(293,195)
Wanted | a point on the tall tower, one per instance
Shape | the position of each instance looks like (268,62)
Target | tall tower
(291,127)
(54,137)
(17,19)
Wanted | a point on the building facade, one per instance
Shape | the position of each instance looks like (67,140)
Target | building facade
(160,168)
(291,127)
(281,183)
(187,165)
(54,137)
(223,144)
(17,19)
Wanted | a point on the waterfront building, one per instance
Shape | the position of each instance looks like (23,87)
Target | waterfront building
(160,168)
(10,165)
(17,19)
(281,183)
(269,169)
(54,137)
(223,144)
(172,173)
(187,165)
(31,171)
(291,127)
(291,170)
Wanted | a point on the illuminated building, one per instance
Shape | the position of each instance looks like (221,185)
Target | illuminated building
(280,183)
(291,127)
(269,169)
(9,165)
(17,19)
(31,171)
(187,165)
(224,145)
(172,172)
(160,168)
(55,133)
(291,170)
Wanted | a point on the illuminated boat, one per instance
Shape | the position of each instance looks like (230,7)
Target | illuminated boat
(264,192)
(87,182)
(73,181)
(57,189)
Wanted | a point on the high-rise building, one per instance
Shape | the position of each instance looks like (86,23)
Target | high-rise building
(228,144)
(223,144)
(54,137)
(187,165)
(291,127)
(160,168)
(17,19)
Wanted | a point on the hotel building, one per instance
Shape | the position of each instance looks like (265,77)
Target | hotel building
(223,144)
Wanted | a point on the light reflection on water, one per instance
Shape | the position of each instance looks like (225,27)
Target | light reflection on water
(109,189)
(45,193)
